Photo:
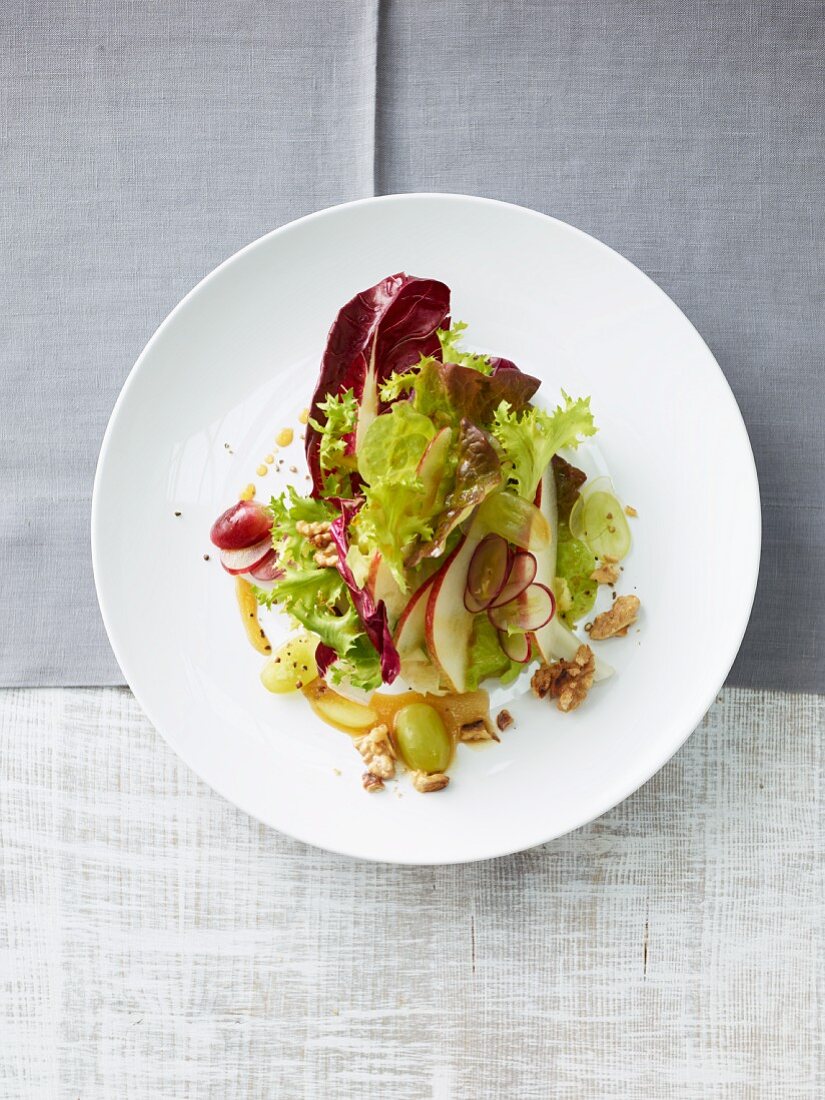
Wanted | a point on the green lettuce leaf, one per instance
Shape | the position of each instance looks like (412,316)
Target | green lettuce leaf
(336,434)
(451,352)
(395,512)
(317,597)
(574,564)
(487,658)
(394,444)
(361,666)
(530,439)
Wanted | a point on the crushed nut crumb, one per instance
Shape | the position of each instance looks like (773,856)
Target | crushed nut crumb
(427,783)
(568,682)
(372,782)
(630,511)
(615,622)
(377,752)
(504,720)
(606,573)
(477,730)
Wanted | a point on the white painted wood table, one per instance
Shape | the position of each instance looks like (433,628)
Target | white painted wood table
(159,943)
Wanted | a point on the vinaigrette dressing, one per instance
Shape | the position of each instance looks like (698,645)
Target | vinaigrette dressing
(249,614)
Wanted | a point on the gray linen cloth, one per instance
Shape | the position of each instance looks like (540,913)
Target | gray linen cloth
(143,144)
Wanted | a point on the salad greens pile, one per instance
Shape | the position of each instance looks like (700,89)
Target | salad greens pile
(409,435)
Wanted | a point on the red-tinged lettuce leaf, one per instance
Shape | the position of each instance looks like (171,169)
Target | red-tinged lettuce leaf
(478,473)
(569,480)
(448,391)
(498,364)
(383,329)
(374,617)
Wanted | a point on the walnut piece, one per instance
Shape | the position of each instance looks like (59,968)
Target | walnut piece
(477,730)
(504,719)
(326,557)
(616,622)
(377,752)
(318,536)
(372,783)
(427,783)
(606,573)
(568,682)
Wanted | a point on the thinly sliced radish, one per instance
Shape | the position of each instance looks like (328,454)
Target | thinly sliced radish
(530,610)
(244,561)
(489,569)
(241,526)
(516,646)
(522,573)
(268,569)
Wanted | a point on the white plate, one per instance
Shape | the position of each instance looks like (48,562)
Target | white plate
(237,360)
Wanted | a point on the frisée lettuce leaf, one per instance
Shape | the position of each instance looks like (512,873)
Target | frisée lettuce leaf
(529,439)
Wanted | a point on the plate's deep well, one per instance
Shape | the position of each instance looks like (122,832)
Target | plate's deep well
(237,360)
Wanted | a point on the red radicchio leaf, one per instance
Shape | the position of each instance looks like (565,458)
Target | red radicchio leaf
(325,658)
(373,617)
(384,329)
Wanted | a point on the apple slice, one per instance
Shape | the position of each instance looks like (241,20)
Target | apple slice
(244,561)
(516,520)
(449,625)
(410,631)
(431,467)
(555,640)
(382,585)
(241,526)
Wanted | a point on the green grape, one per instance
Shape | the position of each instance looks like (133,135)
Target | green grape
(422,738)
(604,527)
(292,667)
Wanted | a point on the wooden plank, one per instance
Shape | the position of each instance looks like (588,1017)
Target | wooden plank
(160,943)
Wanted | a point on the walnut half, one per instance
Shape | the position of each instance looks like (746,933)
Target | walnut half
(427,783)
(568,682)
(377,752)
(616,622)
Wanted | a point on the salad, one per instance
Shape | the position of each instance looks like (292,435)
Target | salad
(446,541)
